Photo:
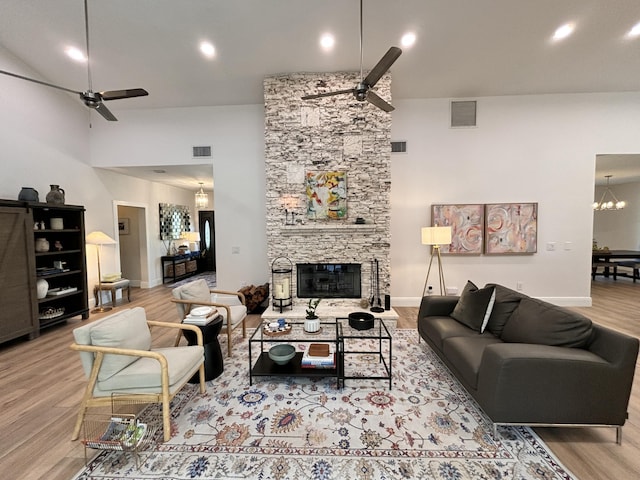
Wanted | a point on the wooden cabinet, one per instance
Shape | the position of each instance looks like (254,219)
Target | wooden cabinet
(60,260)
(18,303)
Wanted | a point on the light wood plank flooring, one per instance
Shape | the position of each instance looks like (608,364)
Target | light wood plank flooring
(41,383)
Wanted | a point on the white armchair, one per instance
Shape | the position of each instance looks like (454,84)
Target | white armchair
(117,357)
(231,305)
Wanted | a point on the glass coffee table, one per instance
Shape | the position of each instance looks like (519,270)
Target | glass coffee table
(260,365)
(345,342)
(374,342)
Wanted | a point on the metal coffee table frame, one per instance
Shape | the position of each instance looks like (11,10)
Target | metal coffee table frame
(379,335)
(260,365)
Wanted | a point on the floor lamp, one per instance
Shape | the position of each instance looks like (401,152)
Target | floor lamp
(436,237)
(98,239)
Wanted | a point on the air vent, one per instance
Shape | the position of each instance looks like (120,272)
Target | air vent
(463,113)
(204,151)
(398,147)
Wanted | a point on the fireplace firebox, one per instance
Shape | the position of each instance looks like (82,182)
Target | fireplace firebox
(328,280)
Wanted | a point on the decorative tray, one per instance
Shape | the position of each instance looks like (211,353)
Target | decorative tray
(276,333)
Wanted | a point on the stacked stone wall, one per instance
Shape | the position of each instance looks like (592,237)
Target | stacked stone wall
(335,133)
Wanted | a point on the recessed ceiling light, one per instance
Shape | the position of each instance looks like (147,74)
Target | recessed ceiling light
(564,31)
(408,39)
(159,171)
(207,49)
(635,31)
(75,54)
(327,41)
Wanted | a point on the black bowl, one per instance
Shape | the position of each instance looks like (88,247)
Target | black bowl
(361,320)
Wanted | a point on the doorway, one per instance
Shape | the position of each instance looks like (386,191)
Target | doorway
(206,227)
(132,240)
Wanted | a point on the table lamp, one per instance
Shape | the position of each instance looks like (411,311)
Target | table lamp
(436,237)
(98,239)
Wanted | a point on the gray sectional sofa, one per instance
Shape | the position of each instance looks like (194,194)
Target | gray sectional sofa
(528,362)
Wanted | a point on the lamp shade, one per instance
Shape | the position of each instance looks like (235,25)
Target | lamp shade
(436,235)
(99,238)
(191,236)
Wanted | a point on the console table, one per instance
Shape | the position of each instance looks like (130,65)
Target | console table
(179,266)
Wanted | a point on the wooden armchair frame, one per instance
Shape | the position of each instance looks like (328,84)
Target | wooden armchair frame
(228,328)
(164,397)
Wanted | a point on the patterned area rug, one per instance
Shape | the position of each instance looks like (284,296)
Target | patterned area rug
(426,427)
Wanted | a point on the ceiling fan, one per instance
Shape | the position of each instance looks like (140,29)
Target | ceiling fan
(362,91)
(90,98)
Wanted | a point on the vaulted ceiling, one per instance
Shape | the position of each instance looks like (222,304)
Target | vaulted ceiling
(463,48)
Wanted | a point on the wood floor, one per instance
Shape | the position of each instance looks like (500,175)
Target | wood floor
(41,383)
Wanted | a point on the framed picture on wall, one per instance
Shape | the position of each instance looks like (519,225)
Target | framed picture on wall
(512,228)
(466,222)
(123,226)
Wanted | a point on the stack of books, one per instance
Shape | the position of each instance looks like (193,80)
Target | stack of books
(318,355)
(201,316)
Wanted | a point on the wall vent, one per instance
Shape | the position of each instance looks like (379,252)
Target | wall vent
(399,147)
(463,113)
(202,151)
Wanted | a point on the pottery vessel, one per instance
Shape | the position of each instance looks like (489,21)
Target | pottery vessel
(42,245)
(57,224)
(42,287)
(311,325)
(55,195)
(28,194)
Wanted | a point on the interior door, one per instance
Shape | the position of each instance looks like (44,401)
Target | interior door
(206,227)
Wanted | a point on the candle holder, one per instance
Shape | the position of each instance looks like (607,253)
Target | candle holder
(281,283)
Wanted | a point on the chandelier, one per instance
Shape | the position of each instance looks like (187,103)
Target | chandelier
(202,199)
(613,203)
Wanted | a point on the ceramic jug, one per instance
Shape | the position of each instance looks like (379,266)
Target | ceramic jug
(42,245)
(28,194)
(56,195)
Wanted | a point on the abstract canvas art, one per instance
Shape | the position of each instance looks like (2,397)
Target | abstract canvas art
(511,228)
(326,195)
(466,222)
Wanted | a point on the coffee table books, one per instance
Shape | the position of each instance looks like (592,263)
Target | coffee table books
(318,355)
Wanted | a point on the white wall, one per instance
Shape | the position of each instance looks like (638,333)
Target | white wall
(528,148)
(619,229)
(166,137)
(525,149)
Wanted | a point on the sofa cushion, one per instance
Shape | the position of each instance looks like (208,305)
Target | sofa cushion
(538,322)
(127,329)
(507,301)
(465,355)
(474,306)
(437,329)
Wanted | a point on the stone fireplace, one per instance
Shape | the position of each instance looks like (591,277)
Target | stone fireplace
(336,133)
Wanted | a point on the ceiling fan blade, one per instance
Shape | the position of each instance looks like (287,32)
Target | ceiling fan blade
(382,66)
(328,94)
(374,99)
(118,94)
(105,112)
(39,81)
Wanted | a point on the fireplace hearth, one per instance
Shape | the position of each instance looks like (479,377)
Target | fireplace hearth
(328,280)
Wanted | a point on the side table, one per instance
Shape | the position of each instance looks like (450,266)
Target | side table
(213,363)
(113,287)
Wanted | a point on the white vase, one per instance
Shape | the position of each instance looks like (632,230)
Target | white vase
(311,325)
(42,287)
(42,245)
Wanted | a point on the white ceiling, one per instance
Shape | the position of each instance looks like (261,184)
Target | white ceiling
(464,48)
